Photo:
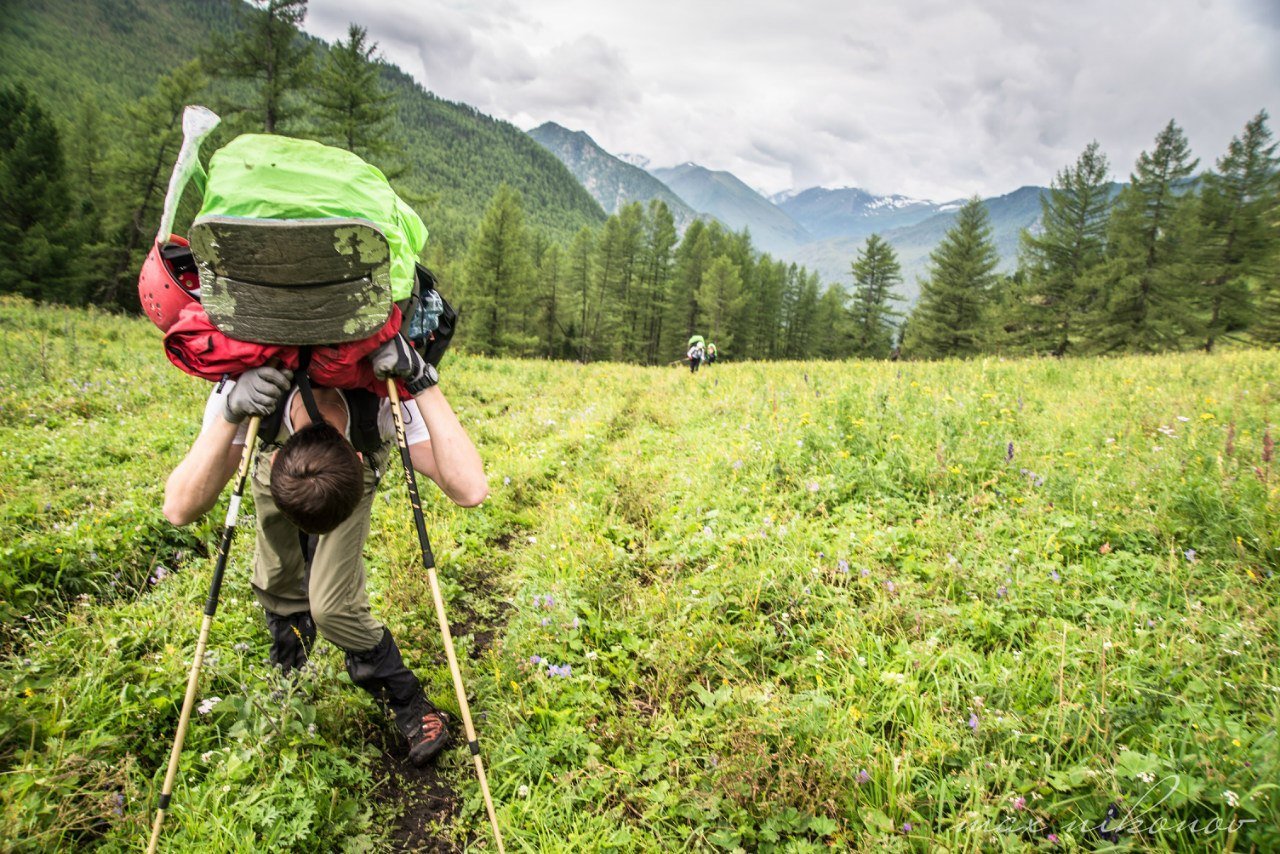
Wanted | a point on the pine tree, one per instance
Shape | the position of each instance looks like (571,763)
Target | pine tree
(1145,285)
(549,302)
(351,106)
(1055,262)
(951,316)
(720,298)
(37,236)
(802,316)
(693,257)
(581,276)
(499,275)
(267,50)
(875,275)
(1236,203)
(139,173)
(657,258)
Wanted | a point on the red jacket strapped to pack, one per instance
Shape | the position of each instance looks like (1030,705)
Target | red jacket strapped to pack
(196,346)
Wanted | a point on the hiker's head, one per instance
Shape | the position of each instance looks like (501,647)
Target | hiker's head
(317,479)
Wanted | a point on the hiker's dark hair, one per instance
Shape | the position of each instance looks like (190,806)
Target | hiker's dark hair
(317,479)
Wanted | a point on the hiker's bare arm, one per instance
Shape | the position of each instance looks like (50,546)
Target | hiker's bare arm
(449,458)
(194,486)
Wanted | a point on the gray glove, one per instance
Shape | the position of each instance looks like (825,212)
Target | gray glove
(397,358)
(257,392)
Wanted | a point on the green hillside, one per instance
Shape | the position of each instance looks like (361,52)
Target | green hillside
(72,53)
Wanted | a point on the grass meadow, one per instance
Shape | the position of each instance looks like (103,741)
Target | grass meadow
(959,606)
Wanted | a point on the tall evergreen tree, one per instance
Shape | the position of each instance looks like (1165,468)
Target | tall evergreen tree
(832,335)
(875,275)
(550,303)
(950,318)
(151,131)
(720,299)
(693,257)
(1237,202)
(802,314)
(267,50)
(37,236)
(1146,299)
(581,278)
(1071,242)
(351,106)
(498,278)
(657,258)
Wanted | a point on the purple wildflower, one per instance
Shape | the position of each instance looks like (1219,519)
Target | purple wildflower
(575,623)
(119,807)
(1052,837)
(843,566)
(888,585)
(1019,803)
(1054,575)
(1008,453)
(537,601)
(535,659)
(906,827)
(1002,591)
(973,721)
(546,621)
(548,601)
(813,486)
(560,670)
(1190,555)
(863,777)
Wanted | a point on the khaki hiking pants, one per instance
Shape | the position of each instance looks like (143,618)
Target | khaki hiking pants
(334,589)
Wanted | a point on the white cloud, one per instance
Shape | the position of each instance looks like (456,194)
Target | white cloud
(932,98)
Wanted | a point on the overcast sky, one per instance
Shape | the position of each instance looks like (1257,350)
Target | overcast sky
(936,99)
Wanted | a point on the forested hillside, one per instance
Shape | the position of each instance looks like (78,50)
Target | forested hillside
(112,75)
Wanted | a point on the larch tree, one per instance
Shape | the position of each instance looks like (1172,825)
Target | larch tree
(269,52)
(1145,301)
(351,107)
(876,273)
(951,317)
(1055,261)
(1237,204)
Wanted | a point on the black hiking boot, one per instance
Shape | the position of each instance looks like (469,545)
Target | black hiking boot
(292,636)
(382,672)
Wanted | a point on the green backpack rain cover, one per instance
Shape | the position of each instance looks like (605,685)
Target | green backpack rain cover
(264,176)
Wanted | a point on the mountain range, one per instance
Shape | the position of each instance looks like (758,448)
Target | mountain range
(820,228)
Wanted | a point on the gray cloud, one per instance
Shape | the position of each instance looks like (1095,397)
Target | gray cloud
(934,98)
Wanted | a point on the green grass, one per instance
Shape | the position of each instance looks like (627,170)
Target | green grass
(803,606)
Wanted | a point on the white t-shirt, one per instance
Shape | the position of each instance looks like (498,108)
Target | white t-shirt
(414,430)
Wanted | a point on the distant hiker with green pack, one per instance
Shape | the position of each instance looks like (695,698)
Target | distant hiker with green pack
(711,353)
(310,359)
(696,353)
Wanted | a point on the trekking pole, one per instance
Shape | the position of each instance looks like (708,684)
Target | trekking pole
(210,607)
(429,561)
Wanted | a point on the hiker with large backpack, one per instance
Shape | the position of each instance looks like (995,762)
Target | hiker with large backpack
(711,353)
(296,292)
(696,353)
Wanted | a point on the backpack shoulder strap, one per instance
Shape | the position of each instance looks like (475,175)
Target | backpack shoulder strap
(363,406)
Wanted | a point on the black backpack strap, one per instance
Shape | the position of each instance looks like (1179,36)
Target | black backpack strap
(303,382)
(363,406)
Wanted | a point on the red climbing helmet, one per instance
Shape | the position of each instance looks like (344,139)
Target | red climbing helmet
(168,281)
